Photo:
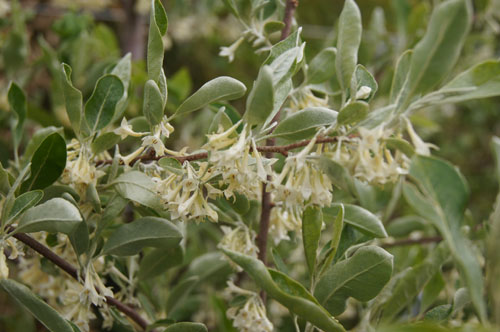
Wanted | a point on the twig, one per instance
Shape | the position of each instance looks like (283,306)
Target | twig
(73,272)
(269,149)
(409,242)
(290,7)
(283,149)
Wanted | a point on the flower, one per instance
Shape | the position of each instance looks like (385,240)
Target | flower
(240,239)
(126,130)
(251,316)
(4,269)
(421,147)
(229,51)
(363,92)
(284,220)
(164,128)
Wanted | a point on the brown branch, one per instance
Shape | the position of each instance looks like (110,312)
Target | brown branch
(290,7)
(283,149)
(73,272)
(410,242)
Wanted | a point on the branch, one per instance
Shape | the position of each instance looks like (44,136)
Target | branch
(283,149)
(410,242)
(73,272)
(290,7)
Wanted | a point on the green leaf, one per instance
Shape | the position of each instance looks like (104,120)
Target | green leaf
(160,260)
(179,293)
(278,261)
(349,39)
(47,164)
(322,67)
(73,99)
(220,88)
(221,119)
(101,106)
(38,137)
(338,174)
(17,103)
(338,225)
(283,46)
(153,103)
(260,101)
(361,276)
(400,75)
(365,78)
(273,26)
(131,238)
(55,215)
(304,123)
(359,218)
(105,142)
(413,281)
(403,226)
(401,145)
(4,181)
(286,291)
(171,164)
(158,24)
(24,202)
(79,237)
(123,70)
(138,187)
(38,308)
(442,200)
(312,220)
(186,327)
(437,52)
(480,81)
(353,113)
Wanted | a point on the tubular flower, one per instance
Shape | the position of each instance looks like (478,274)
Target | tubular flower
(421,147)
(250,317)
(79,172)
(300,182)
(4,269)
(125,130)
(185,196)
(155,140)
(283,221)
(240,239)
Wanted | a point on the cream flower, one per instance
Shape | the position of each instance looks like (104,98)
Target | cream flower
(421,147)
(125,130)
(240,239)
(250,317)
(229,51)
(4,269)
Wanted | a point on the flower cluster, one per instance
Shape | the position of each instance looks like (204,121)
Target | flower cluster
(251,316)
(240,239)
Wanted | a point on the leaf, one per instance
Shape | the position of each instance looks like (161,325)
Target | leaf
(47,164)
(171,164)
(353,113)
(138,187)
(303,124)
(361,219)
(158,24)
(480,81)
(131,238)
(273,26)
(220,88)
(101,106)
(79,237)
(260,101)
(55,215)
(443,198)
(38,137)
(38,308)
(413,281)
(282,46)
(24,202)
(400,75)
(4,181)
(105,142)
(153,103)
(73,99)
(186,327)
(312,220)
(403,226)
(17,103)
(349,39)
(365,79)
(160,260)
(401,145)
(361,276)
(338,225)
(338,175)
(123,70)
(322,67)
(286,291)
(437,52)
(278,261)
(179,293)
